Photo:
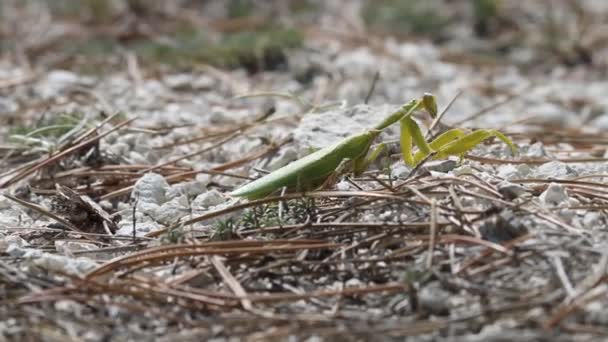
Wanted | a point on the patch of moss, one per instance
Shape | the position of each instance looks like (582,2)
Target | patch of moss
(51,127)
(91,47)
(259,50)
(97,11)
(239,8)
(253,50)
(485,13)
(303,6)
(405,16)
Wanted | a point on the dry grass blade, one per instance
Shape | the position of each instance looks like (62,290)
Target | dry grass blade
(43,211)
(169,253)
(54,158)
(315,194)
(218,170)
(231,281)
(350,291)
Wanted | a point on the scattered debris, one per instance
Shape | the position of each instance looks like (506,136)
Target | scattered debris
(133,122)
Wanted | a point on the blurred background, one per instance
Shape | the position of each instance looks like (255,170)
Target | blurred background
(143,56)
(88,34)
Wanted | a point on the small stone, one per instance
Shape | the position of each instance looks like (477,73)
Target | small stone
(69,247)
(208,199)
(137,158)
(434,299)
(442,166)
(170,212)
(190,189)
(601,122)
(69,306)
(555,169)
(400,170)
(462,170)
(151,188)
(344,186)
(592,219)
(178,80)
(596,313)
(141,228)
(353,282)
(554,195)
(510,190)
(284,157)
(57,81)
(510,171)
(385,215)
(502,227)
(60,263)
(11,242)
(119,149)
(536,150)
(566,214)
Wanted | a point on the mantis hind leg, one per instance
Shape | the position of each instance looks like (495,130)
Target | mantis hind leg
(344,167)
(362,163)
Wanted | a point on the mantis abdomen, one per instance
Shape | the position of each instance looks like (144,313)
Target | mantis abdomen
(310,171)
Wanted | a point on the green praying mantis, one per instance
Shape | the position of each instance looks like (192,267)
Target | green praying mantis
(351,154)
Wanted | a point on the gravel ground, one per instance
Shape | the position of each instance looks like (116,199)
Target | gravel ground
(117,224)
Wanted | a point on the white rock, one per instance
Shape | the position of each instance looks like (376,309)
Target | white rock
(172,211)
(601,122)
(209,199)
(386,215)
(284,157)
(509,171)
(8,105)
(178,80)
(5,203)
(353,282)
(120,149)
(316,131)
(592,219)
(400,170)
(69,247)
(434,299)
(554,195)
(554,169)
(566,214)
(57,81)
(150,189)
(462,170)
(536,150)
(596,313)
(441,166)
(11,242)
(190,189)
(60,263)
(510,190)
(344,186)
(551,113)
(141,228)
(135,157)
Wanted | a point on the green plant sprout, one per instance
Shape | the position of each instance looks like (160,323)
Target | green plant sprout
(351,154)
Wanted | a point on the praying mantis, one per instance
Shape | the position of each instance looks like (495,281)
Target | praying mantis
(351,154)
